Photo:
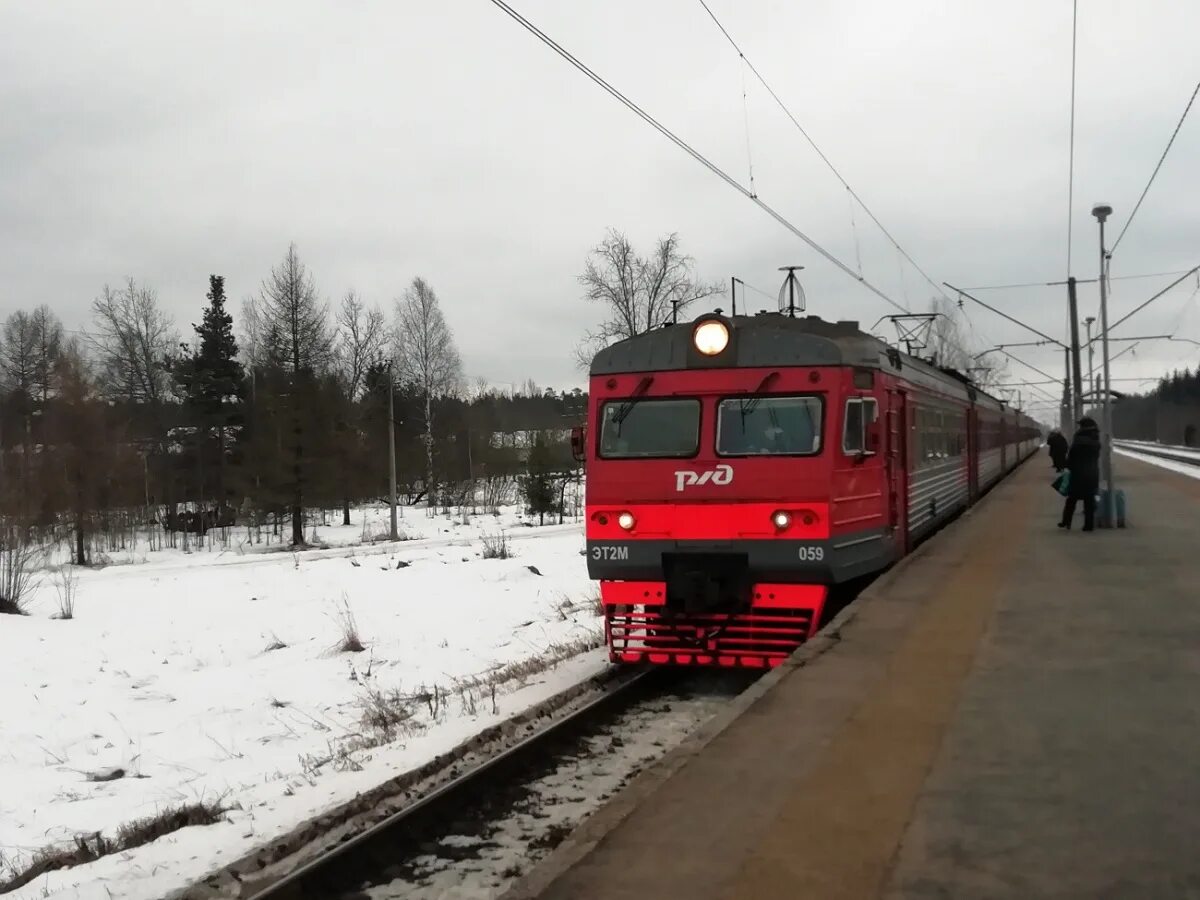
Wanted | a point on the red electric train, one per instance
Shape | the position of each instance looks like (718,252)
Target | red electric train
(739,468)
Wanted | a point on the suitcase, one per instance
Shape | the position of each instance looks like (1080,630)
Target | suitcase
(1102,509)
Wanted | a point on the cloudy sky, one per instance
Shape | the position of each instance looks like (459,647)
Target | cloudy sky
(167,141)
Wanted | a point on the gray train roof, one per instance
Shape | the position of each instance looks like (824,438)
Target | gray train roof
(770,340)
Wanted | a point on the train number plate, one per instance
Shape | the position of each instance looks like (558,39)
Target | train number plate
(812,554)
(603,551)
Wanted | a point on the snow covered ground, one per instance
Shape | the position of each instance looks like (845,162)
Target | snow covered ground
(167,673)
(1188,469)
(369,525)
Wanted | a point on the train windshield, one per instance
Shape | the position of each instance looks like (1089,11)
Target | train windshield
(769,426)
(639,428)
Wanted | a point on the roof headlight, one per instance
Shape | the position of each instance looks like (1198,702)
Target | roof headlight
(711,337)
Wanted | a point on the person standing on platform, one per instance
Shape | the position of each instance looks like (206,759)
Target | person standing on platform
(1057,445)
(1083,462)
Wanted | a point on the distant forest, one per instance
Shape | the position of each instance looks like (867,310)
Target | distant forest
(1170,413)
(131,422)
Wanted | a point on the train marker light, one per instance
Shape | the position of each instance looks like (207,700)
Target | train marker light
(782,519)
(711,337)
(626,521)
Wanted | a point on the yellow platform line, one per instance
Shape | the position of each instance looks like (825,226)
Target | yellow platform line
(838,833)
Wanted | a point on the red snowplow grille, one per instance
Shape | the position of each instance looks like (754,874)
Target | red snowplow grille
(762,637)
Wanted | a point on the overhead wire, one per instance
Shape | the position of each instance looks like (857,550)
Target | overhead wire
(1033,284)
(1143,305)
(854,232)
(1154,174)
(746,117)
(687,148)
(825,159)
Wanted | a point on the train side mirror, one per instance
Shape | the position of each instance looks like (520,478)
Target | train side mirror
(872,439)
(872,434)
(578,443)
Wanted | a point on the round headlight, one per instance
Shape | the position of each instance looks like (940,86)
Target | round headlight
(626,521)
(782,519)
(711,337)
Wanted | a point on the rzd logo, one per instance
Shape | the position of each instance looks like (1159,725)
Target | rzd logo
(720,475)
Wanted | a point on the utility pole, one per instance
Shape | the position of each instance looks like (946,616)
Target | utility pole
(1102,212)
(1088,322)
(1065,410)
(395,534)
(1077,375)
(734,280)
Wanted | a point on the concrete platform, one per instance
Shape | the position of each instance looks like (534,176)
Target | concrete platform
(1014,713)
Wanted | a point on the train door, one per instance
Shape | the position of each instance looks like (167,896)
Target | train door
(972,453)
(1003,443)
(896,466)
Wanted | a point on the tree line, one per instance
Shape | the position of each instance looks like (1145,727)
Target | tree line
(1169,412)
(126,421)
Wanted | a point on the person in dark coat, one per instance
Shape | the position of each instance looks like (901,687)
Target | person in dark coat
(1083,462)
(1057,445)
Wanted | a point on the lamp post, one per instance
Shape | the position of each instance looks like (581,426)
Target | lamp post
(1102,211)
(393,532)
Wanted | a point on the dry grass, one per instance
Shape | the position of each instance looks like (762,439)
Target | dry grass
(88,848)
(496,546)
(524,669)
(275,644)
(386,714)
(351,640)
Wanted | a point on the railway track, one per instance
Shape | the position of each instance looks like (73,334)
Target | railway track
(1184,455)
(480,831)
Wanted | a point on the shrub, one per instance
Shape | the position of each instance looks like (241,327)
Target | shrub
(18,559)
(495,546)
(66,583)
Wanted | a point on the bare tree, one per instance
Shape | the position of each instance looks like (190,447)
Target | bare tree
(638,293)
(287,324)
(31,347)
(132,344)
(287,329)
(47,333)
(361,341)
(950,347)
(426,357)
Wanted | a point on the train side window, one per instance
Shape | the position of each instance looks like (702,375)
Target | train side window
(861,412)
(853,432)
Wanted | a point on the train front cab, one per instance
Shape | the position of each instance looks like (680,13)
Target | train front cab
(713,552)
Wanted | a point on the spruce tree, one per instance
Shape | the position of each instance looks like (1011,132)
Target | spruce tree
(539,479)
(210,379)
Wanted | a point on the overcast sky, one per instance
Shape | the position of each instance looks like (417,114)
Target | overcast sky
(167,141)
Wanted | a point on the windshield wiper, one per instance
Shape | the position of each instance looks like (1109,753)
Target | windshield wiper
(627,406)
(748,406)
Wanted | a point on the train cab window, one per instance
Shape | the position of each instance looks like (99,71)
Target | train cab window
(647,428)
(860,412)
(769,426)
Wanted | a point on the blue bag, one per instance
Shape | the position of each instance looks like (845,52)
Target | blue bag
(1062,483)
